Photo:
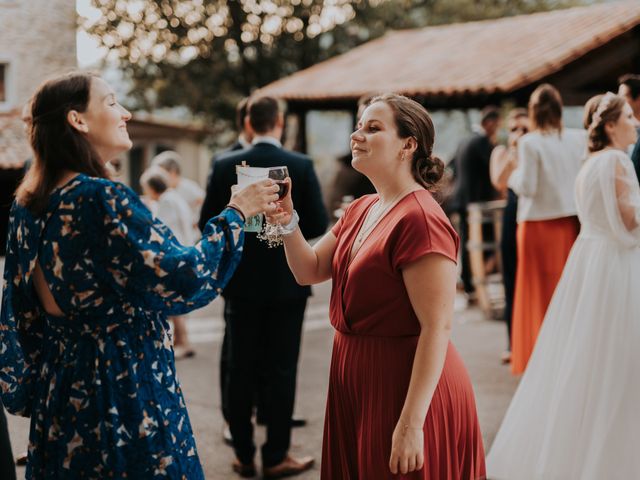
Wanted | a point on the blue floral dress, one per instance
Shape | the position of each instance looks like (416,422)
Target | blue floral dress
(100,383)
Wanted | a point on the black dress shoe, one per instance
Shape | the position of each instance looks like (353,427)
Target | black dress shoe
(21,460)
(244,470)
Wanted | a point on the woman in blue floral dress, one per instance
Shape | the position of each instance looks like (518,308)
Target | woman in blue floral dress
(90,277)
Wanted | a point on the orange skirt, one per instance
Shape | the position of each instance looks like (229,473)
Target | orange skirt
(543,248)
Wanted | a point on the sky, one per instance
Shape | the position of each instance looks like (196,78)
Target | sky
(88,51)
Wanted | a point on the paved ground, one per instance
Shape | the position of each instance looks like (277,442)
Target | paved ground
(480,342)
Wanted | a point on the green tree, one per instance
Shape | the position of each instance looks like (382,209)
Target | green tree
(207,54)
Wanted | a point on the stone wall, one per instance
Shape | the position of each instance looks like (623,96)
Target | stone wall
(37,40)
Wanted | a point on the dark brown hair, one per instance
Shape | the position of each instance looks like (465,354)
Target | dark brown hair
(489,113)
(545,108)
(57,146)
(611,111)
(413,120)
(263,114)
(632,82)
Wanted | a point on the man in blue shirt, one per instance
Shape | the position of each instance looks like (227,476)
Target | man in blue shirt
(629,88)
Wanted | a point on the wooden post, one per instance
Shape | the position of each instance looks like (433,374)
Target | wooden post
(486,285)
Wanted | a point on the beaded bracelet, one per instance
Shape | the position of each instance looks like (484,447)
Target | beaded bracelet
(290,227)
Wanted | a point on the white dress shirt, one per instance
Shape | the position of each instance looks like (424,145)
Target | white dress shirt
(266,139)
(548,164)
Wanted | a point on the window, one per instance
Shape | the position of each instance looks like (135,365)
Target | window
(3,82)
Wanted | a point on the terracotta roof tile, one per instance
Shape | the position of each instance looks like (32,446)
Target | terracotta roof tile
(488,56)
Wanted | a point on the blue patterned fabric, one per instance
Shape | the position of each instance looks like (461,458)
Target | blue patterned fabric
(100,383)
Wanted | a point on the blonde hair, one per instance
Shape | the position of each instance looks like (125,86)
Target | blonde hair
(597,112)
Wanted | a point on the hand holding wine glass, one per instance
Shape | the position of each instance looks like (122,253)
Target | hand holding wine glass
(284,210)
(256,198)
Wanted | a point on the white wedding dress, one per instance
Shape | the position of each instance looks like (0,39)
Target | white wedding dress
(576,412)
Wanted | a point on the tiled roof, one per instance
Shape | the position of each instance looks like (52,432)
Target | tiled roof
(464,58)
(14,146)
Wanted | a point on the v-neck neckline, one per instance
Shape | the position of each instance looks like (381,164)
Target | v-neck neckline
(344,277)
(353,255)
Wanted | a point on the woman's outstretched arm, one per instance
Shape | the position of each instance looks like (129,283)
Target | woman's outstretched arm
(309,264)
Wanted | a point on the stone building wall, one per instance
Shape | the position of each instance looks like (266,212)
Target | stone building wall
(37,41)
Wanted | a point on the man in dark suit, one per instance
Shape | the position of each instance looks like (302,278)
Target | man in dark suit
(630,89)
(264,306)
(473,182)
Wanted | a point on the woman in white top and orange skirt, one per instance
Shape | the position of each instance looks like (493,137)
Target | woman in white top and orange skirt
(549,160)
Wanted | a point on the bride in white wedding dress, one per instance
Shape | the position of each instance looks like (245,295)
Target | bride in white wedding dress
(576,412)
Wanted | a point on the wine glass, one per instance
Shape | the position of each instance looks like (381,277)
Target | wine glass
(272,233)
(278,174)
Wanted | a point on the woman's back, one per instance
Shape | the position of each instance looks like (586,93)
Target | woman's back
(82,245)
(68,243)
(547,168)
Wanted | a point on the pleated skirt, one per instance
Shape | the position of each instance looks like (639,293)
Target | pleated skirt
(543,247)
(368,384)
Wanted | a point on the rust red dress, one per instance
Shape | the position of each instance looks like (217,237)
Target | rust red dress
(375,342)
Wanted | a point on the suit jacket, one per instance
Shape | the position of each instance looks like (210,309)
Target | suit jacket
(471,163)
(635,156)
(263,272)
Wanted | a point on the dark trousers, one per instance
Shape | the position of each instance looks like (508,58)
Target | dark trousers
(465,274)
(7,467)
(224,374)
(264,343)
(509,257)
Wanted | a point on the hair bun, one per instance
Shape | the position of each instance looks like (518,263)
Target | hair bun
(430,170)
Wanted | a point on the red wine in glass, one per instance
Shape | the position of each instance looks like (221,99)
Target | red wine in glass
(284,189)
(278,174)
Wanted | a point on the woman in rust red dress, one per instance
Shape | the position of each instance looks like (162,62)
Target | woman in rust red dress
(400,403)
